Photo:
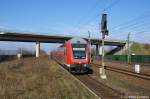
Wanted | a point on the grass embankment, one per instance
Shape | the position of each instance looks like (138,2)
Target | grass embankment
(140,49)
(38,79)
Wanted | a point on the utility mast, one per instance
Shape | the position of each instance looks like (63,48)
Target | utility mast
(129,51)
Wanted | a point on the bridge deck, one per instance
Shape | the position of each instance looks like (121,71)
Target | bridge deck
(20,37)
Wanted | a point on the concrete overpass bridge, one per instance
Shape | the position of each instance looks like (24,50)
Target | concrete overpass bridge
(22,37)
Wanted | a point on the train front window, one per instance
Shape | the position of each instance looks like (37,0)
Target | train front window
(79,51)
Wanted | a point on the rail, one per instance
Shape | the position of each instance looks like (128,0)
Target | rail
(139,75)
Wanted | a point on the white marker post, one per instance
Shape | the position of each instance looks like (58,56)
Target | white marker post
(19,55)
(137,68)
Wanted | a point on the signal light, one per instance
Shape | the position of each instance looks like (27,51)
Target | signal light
(104,24)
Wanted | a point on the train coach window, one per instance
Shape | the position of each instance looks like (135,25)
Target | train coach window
(65,52)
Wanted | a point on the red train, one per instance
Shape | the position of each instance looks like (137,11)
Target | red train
(75,55)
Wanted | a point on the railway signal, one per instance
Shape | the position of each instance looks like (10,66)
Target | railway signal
(104,25)
(104,32)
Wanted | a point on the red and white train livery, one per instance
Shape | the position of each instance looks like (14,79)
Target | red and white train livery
(75,55)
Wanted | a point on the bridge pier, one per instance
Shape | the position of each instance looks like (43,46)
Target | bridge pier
(37,49)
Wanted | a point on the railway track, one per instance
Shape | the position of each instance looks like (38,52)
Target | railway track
(100,90)
(139,75)
(132,63)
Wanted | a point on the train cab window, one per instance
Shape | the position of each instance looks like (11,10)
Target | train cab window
(79,51)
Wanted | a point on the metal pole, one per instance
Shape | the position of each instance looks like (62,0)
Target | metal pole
(103,75)
(128,47)
(104,32)
(89,44)
(97,50)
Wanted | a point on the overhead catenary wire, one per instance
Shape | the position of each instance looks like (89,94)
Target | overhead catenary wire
(140,32)
(97,15)
(135,35)
(138,25)
(135,25)
(112,4)
(90,11)
(134,28)
(133,32)
(126,24)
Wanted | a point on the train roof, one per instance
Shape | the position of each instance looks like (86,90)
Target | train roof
(78,40)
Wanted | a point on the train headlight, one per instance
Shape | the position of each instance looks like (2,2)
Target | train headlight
(85,65)
(68,65)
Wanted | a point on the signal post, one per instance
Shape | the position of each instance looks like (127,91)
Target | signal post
(104,32)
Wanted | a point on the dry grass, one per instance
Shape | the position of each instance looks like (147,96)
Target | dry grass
(129,85)
(42,78)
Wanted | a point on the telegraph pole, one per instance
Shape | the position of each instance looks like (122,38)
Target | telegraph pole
(129,54)
(89,33)
(104,32)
